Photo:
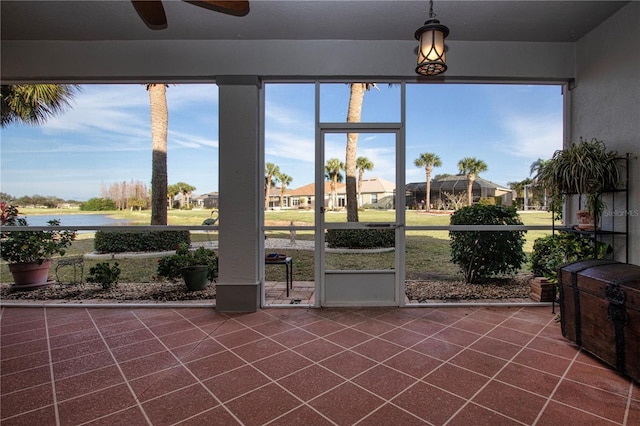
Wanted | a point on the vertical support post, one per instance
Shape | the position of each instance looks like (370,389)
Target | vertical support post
(241,194)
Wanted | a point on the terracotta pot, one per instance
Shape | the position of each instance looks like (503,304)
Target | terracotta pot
(195,277)
(29,276)
(585,220)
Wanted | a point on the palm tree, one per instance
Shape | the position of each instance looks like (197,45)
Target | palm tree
(332,169)
(172,191)
(34,103)
(428,160)
(271,172)
(471,167)
(159,126)
(285,180)
(354,115)
(186,190)
(362,164)
(537,167)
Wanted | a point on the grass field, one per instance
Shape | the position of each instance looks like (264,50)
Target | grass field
(427,252)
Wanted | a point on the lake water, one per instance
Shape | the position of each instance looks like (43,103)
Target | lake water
(75,219)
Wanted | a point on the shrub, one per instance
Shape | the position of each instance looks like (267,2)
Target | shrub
(487,201)
(98,205)
(360,238)
(553,251)
(482,254)
(118,242)
(105,274)
(171,267)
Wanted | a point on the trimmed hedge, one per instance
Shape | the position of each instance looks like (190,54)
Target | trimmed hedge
(360,238)
(481,254)
(119,242)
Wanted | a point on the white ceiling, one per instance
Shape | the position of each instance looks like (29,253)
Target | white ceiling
(479,20)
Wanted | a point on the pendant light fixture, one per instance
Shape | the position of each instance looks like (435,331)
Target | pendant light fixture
(431,55)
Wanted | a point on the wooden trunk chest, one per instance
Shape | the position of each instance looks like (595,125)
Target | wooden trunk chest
(600,311)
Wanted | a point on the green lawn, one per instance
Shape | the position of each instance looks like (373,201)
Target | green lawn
(427,252)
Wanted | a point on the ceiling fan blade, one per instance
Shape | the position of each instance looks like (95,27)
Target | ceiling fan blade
(152,13)
(235,8)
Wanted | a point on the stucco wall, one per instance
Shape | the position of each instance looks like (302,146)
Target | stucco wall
(605,102)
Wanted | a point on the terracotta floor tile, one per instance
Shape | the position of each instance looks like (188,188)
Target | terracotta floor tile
(599,377)
(16,403)
(474,326)
(184,337)
(95,405)
(76,350)
(149,364)
(437,348)
(238,338)
(197,350)
(252,319)
(528,379)
(347,338)
(413,363)
(236,382)
(509,335)
(472,414)
(512,402)
(556,414)
(429,403)
(480,363)
(272,326)
(402,337)
(25,379)
(177,326)
(318,349)
(179,405)
(128,416)
(213,365)
(443,316)
(82,364)
(390,414)
(302,416)
(162,382)
(548,363)
(592,400)
(42,416)
(281,364)
(495,347)
(24,362)
(259,349)
(125,333)
(373,327)
(262,405)
(22,336)
(310,382)
(323,327)
(564,349)
(384,382)
(70,328)
(523,326)
(8,327)
(73,338)
(457,336)
(25,348)
(214,416)
(378,349)
(491,316)
(91,381)
(137,350)
(346,404)
(294,337)
(456,380)
(347,364)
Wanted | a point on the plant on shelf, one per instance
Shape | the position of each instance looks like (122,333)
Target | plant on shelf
(586,169)
(29,253)
(200,264)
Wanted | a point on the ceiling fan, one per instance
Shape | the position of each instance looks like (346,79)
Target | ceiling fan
(152,11)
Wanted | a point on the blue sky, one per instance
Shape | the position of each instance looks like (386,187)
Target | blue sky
(105,136)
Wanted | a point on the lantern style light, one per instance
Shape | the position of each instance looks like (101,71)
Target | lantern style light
(431,55)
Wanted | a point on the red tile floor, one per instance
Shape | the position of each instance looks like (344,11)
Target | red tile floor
(387,366)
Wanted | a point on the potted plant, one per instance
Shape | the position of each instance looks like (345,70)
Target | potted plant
(585,169)
(197,267)
(29,253)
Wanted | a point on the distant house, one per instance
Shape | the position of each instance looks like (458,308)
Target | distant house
(373,190)
(206,201)
(456,185)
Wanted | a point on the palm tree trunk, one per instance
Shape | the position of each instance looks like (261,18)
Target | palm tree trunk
(360,178)
(267,191)
(470,180)
(354,115)
(159,125)
(427,198)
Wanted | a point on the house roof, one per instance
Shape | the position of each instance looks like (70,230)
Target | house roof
(454,182)
(309,190)
(377,185)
